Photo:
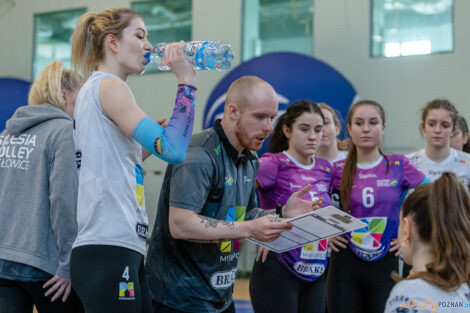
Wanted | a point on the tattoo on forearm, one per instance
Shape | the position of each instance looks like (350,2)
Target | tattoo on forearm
(230,224)
(210,222)
(258,212)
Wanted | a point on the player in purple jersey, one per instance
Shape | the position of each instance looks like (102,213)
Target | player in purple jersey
(372,186)
(292,281)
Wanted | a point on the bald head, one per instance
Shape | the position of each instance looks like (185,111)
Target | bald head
(246,90)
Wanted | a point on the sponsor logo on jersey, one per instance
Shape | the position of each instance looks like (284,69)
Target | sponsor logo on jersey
(139,182)
(324,168)
(234,214)
(229,257)
(371,235)
(315,250)
(368,175)
(387,182)
(221,280)
(142,230)
(397,163)
(435,172)
(228,181)
(246,179)
(217,150)
(461,161)
(78,157)
(307,178)
(126,291)
(292,186)
(322,188)
(309,269)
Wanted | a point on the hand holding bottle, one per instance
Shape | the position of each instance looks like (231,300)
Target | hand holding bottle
(179,64)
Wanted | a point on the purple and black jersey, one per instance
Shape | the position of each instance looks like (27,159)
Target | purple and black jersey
(278,177)
(377,194)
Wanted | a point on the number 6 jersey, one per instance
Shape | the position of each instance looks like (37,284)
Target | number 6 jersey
(377,194)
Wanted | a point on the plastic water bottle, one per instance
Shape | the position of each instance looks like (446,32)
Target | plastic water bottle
(203,55)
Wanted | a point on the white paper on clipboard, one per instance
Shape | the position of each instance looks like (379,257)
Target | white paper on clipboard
(313,226)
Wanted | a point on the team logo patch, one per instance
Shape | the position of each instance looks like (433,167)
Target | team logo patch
(394,183)
(126,291)
(228,180)
(397,163)
(158,145)
(325,168)
(371,235)
(234,214)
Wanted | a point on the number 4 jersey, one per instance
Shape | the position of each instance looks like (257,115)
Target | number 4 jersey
(377,194)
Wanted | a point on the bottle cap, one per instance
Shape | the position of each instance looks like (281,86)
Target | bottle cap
(147,57)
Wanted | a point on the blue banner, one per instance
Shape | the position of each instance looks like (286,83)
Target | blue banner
(294,77)
(13,94)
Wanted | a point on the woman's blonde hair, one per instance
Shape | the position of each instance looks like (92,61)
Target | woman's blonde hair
(90,33)
(50,82)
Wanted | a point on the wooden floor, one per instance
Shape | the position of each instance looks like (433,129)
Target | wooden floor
(240,290)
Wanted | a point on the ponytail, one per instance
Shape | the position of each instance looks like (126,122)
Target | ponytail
(278,141)
(441,213)
(88,39)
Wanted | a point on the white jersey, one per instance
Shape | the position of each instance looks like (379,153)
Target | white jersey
(418,295)
(111,204)
(457,162)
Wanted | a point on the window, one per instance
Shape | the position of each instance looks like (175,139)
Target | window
(277,25)
(411,27)
(52,36)
(166,21)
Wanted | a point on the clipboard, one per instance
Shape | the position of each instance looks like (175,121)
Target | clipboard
(313,226)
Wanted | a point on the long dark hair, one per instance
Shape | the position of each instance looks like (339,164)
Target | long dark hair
(279,142)
(350,165)
(461,124)
(441,213)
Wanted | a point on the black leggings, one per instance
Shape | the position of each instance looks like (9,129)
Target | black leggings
(19,297)
(273,289)
(110,279)
(358,286)
(161,308)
